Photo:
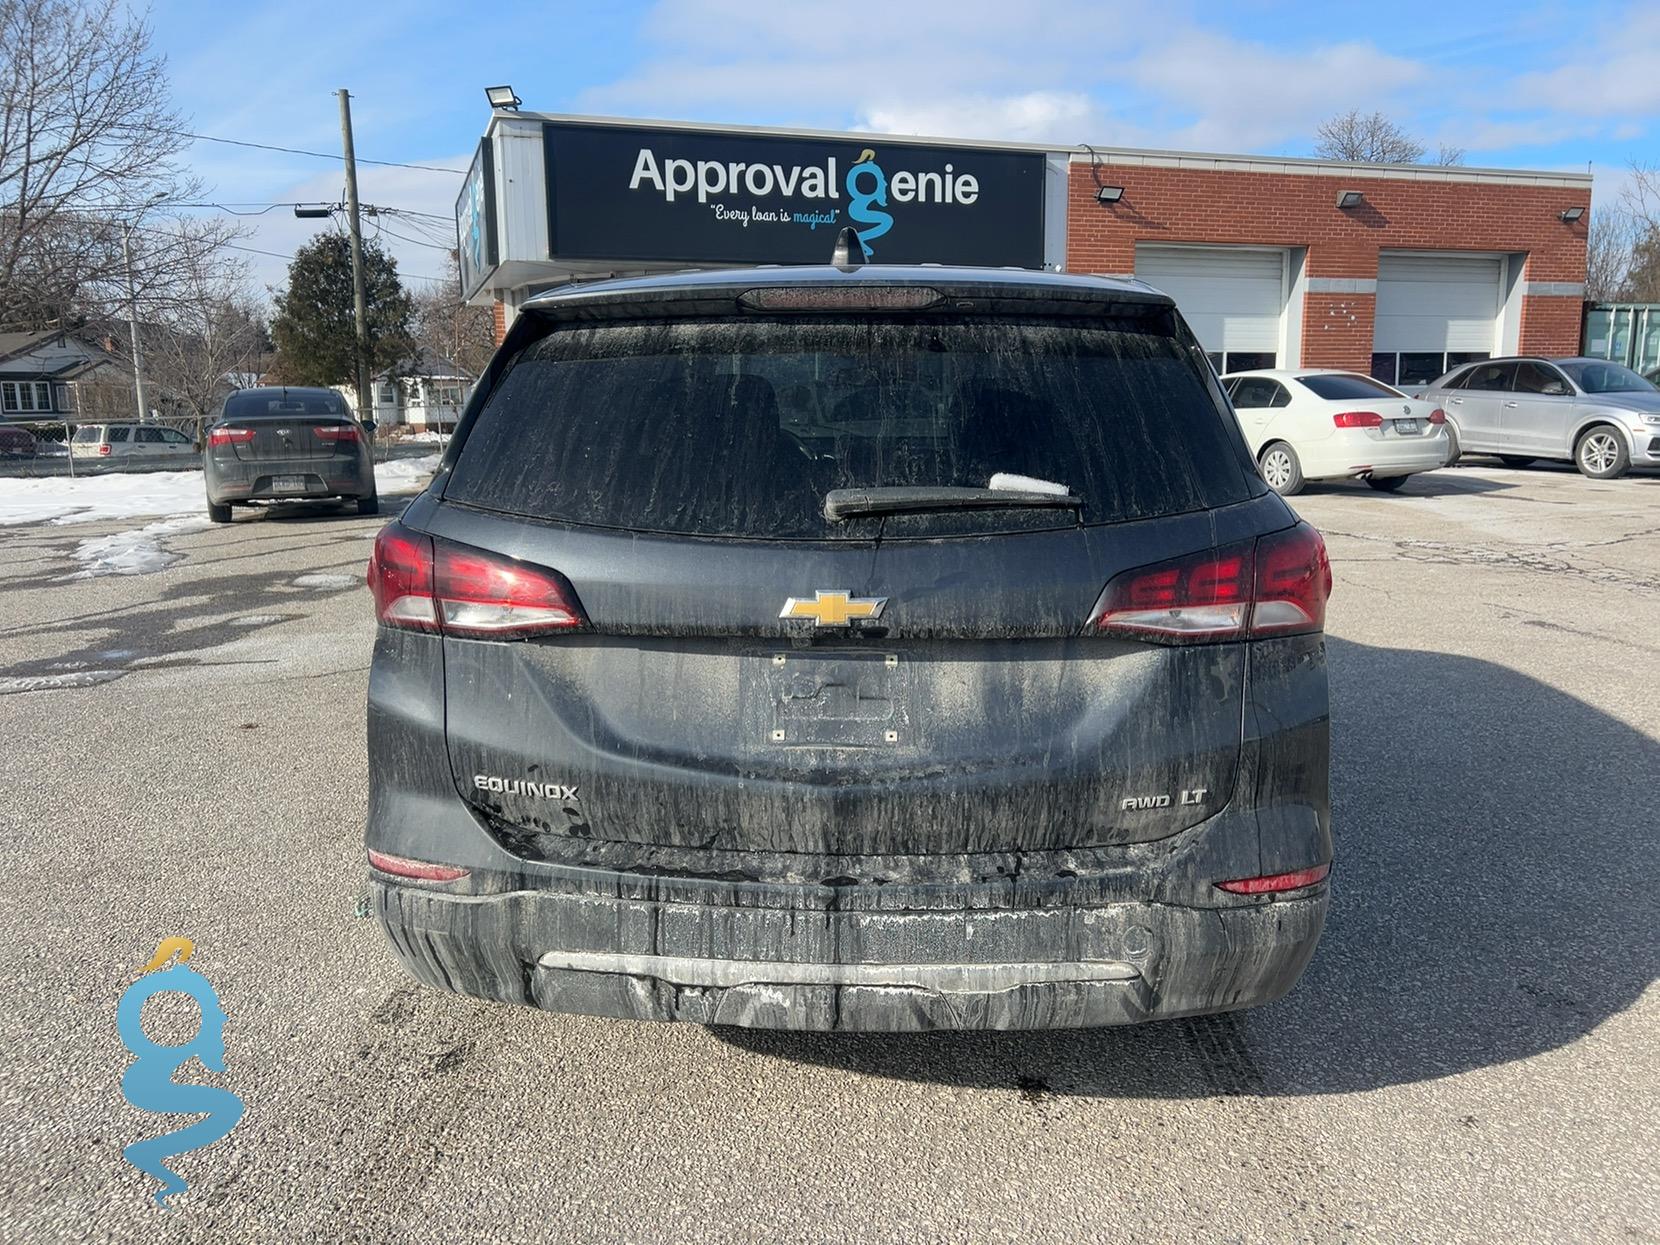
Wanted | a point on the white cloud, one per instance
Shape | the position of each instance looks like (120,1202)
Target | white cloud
(1035,116)
(1618,77)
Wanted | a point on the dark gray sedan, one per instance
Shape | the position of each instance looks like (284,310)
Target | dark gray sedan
(279,444)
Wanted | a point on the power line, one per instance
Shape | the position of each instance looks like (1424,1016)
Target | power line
(294,151)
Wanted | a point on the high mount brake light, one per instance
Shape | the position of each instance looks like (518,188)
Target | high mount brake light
(1273,883)
(1275,585)
(1358,419)
(230,436)
(856,297)
(424,584)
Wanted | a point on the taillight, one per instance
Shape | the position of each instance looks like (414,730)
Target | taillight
(425,584)
(1275,585)
(230,436)
(1357,419)
(1272,883)
(104,448)
(1437,416)
(421,870)
(336,433)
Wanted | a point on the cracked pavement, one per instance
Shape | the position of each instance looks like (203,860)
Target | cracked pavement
(1473,1053)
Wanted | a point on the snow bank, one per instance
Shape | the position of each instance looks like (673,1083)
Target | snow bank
(88,499)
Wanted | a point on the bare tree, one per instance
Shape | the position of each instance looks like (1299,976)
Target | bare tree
(86,136)
(1640,201)
(1608,242)
(1448,155)
(1369,138)
(447,328)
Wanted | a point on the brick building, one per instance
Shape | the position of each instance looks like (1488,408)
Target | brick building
(1402,271)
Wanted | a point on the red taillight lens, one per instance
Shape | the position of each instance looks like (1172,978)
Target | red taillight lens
(230,436)
(421,870)
(400,577)
(1203,597)
(1437,416)
(436,585)
(1358,419)
(336,433)
(104,448)
(1293,582)
(1274,882)
(1276,585)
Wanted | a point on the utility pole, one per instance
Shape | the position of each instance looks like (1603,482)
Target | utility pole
(132,321)
(354,225)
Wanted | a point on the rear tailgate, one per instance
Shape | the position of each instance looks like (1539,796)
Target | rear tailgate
(288,439)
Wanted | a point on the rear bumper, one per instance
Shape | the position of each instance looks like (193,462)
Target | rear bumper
(255,480)
(876,969)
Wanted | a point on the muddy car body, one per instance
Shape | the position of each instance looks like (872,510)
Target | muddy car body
(895,648)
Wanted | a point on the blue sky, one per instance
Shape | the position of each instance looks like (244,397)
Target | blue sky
(1548,85)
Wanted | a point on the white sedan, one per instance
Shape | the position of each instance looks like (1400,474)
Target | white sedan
(1303,424)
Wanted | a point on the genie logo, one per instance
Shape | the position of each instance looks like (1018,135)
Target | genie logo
(859,201)
(148,1083)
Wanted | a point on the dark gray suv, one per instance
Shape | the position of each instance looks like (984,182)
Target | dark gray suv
(894,648)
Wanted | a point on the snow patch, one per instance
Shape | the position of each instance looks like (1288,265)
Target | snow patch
(138,552)
(52,682)
(403,470)
(327,580)
(87,499)
(257,620)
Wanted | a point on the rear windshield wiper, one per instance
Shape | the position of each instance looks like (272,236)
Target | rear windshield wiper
(844,503)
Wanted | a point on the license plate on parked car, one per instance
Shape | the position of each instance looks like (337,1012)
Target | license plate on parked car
(1406,425)
(288,484)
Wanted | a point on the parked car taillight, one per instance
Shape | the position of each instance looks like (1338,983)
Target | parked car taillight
(1358,419)
(230,436)
(1276,585)
(1437,416)
(421,583)
(337,433)
(104,448)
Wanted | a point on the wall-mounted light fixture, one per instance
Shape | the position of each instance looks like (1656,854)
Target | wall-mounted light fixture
(1570,215)
(1349,198)
(1109,194)
(502,97)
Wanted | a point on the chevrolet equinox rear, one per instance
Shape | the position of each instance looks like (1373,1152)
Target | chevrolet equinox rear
(871,649)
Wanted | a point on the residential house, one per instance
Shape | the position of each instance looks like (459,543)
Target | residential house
(51,374)
(428,394)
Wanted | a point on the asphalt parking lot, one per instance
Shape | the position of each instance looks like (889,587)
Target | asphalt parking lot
(1472,1055)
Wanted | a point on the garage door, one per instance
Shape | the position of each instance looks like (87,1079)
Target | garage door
(1234,298)
(1434,312)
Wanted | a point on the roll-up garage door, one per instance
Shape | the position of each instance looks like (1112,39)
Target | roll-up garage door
(1233,297)
(1436,303)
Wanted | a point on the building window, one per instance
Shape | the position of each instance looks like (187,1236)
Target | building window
(1241,361)
(387,395)
(66,398)
(1420,367)
(18,397)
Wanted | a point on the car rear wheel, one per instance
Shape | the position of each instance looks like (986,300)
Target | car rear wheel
(1601,453)
(369,504)
(219,512)
(1516,460)
(1282,470)
(1386,484)
(1453,448)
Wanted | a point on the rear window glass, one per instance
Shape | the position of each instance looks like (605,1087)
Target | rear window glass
(1342,388)
(739,428)
(87,433)
(282,402)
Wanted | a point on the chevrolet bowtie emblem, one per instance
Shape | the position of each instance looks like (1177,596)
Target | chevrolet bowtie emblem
(833,609)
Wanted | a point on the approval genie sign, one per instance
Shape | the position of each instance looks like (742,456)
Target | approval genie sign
(632,193)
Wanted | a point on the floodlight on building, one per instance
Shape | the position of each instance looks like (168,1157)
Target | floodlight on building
(1349,198)
(1570,215)
(1109,194)
(502,97)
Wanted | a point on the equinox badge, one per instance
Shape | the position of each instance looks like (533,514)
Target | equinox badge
(833,608)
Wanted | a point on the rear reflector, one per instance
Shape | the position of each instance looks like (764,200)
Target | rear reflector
(1275,585)
(336,432)
(1275,882)
(230,436)
(1358,419)
(855,297)
(403,867)
(424,584)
